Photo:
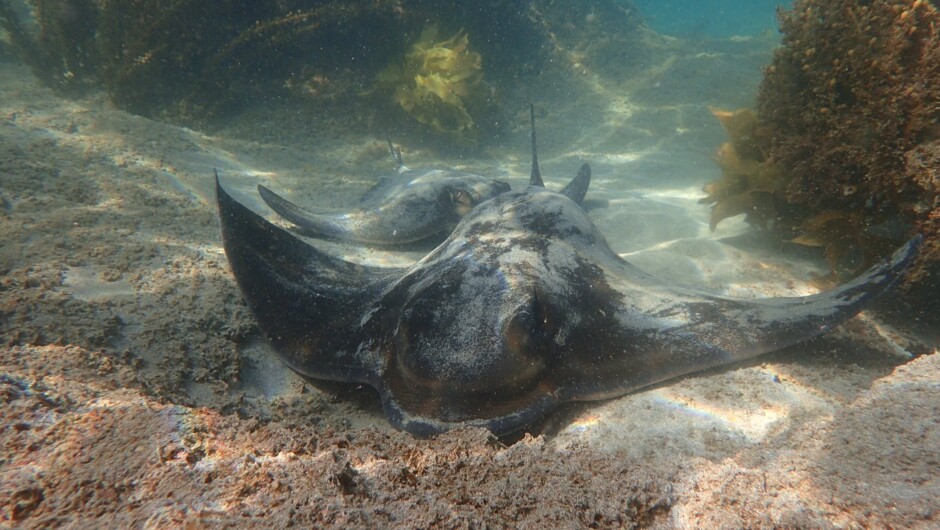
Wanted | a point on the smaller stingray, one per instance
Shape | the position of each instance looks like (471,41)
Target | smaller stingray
(523,307)
(411,205)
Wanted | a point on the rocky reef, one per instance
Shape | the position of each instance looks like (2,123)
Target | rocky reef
(849,119)
(190,62)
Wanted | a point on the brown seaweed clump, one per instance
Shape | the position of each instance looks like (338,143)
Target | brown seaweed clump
(439,82)
(851,107)
(751,184)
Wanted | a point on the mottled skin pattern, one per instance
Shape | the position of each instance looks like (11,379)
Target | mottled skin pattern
(409,206)
(522,308)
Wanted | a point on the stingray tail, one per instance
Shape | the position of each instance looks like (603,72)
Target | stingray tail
(535,178)
(304,301)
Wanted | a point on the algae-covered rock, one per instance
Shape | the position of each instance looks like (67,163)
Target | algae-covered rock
(851,103)
(199,63)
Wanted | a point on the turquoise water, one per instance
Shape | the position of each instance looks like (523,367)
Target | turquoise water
(711,18)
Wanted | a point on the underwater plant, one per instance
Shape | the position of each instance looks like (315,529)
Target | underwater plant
(438,82)
(750,183)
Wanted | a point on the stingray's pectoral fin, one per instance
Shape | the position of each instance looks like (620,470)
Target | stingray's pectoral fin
(303,300)
(766,325)
(578,187)
(309,223)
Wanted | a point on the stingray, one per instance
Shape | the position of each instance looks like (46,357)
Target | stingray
(411,205)
(523,307)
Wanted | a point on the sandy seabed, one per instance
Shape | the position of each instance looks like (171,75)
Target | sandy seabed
(136,393)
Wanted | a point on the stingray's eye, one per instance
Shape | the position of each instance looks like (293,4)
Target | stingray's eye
(525,332)
(462,197)
(463,202)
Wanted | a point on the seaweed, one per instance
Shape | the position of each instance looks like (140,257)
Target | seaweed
(438,82)
(751,184)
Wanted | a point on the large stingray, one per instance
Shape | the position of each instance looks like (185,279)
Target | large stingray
(412,204)
(522,308)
